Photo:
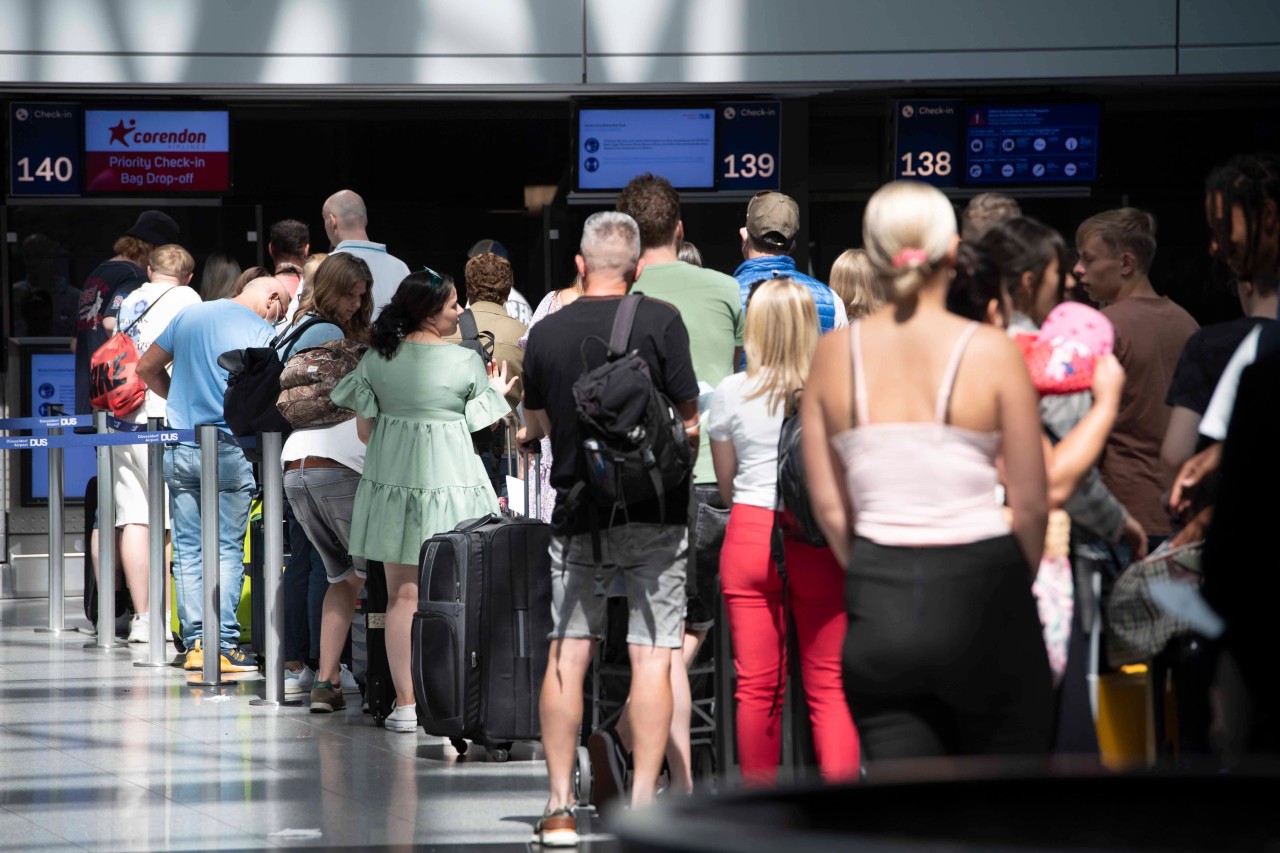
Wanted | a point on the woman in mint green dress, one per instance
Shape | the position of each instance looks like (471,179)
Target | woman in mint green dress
(417,399)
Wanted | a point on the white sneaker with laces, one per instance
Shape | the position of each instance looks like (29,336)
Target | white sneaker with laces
(299,682)
(403,718)
(140,628)
(347,679)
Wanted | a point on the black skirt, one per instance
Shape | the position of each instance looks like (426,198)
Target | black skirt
(944,654)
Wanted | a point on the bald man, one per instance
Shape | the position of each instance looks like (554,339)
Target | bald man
(345,221)
(192,342)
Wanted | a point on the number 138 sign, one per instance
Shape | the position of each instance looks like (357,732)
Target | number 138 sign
(748,143)
(44,149)
(928,141)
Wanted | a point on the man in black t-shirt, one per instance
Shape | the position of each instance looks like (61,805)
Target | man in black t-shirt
(649,545)
(1201,365)
(107,286)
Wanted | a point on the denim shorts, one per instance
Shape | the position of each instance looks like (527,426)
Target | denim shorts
(708,517)
(651,560)
(322,501)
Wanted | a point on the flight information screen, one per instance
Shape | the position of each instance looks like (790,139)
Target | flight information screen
(615,145)
(1031,144)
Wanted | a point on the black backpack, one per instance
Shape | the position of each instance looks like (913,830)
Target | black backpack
(253,385)
(793,488)
(484,440)
(634,447)
(473,339)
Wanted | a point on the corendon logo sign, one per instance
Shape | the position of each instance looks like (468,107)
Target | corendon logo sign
(156,151)
(122,133)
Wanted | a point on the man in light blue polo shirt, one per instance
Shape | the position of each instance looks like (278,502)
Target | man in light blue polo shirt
(345,221)
(193,341)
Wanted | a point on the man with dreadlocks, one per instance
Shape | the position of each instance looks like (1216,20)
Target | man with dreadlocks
(1242,200)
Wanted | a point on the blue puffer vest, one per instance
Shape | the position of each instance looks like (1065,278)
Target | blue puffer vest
(780,266)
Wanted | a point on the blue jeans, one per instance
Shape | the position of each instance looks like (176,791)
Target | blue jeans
(235,492)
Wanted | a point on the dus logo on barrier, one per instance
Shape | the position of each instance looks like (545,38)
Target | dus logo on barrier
(39,442)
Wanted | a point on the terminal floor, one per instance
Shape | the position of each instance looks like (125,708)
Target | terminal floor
(96,754)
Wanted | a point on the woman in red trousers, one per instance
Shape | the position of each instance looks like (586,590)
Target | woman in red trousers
(746,416)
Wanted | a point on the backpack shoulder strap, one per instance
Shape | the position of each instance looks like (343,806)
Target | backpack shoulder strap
(467,327)
(620,337)
(288,338)
(129,328)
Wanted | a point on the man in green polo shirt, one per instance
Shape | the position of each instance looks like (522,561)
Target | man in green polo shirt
(711,308)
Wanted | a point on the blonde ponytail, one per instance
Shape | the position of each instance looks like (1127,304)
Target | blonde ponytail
(907,230)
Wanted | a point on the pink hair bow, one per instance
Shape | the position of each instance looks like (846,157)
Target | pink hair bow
(907,257)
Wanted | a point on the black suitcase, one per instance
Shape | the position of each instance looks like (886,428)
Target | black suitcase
(480,634)
(379,690)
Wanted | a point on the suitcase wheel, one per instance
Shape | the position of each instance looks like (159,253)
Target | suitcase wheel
(500,752)
(459,744)
(582,777)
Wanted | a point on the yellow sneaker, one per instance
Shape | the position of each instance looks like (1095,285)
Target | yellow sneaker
(195,657)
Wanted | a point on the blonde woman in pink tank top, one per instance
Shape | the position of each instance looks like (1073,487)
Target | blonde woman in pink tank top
(905,416)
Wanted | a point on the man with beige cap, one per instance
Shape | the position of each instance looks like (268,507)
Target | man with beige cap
(768,239)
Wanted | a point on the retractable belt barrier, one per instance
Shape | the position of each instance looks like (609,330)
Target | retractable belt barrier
(110,432)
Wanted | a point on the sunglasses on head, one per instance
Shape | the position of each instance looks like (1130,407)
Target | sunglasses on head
(436,278)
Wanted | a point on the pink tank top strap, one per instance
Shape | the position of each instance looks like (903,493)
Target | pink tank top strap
(953,367)
(860,413)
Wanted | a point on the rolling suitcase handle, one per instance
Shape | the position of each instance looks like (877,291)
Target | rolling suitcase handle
(510,426)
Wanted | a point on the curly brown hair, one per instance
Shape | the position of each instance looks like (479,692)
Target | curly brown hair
(655,206)
(488,279)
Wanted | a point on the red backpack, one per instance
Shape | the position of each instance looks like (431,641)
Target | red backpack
(113,381)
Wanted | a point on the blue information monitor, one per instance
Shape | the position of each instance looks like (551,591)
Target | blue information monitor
(1031,144)
(44,149)
(615,145)
(50,380)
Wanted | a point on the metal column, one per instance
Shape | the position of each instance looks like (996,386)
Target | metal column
(57,576)
(157,575)
(273,569)
(106,638)
(210,552)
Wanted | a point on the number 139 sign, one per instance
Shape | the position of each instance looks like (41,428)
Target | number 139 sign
(748,143)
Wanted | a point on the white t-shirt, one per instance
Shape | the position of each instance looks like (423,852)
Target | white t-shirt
(387,270)
(517,307)
(754,433)
(168,306)
(1217,416)
(338,442)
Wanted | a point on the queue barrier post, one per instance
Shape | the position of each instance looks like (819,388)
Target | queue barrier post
(157,578)
(57,576)
(273,569)
(210,553)
(106,636)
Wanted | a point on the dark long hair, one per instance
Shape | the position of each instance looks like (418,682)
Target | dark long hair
(977,282)
(1247,182)
(1021,245)
(418,297)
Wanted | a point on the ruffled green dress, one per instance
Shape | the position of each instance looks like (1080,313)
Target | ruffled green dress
(421,475)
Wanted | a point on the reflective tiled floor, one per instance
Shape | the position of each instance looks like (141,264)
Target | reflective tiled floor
(98,754)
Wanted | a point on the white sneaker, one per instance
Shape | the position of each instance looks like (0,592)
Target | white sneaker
(403,718)
(348,679)
(300,681)
(140,628)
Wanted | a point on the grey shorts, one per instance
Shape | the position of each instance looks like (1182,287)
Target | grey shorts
(651,560)
(322,501)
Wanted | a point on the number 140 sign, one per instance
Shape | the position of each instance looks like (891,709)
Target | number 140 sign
(44,148)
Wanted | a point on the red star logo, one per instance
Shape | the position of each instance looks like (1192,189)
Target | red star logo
(118,132)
